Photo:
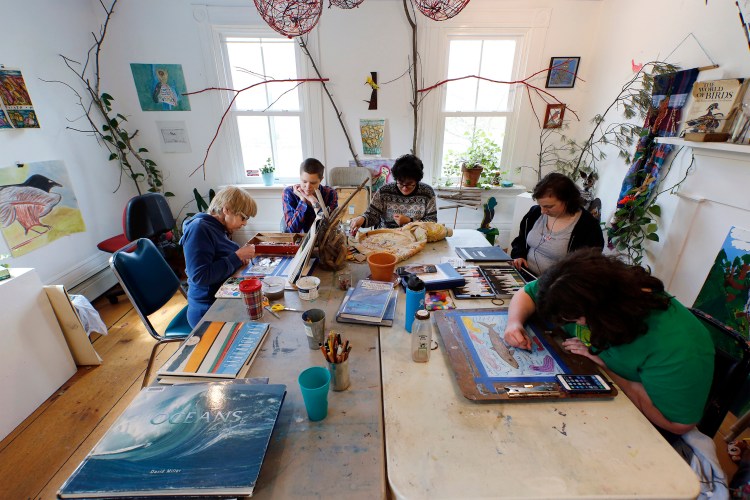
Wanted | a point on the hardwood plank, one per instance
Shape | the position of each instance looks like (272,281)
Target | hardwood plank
(65,422)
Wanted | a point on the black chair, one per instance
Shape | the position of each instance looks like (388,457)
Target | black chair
(731,368)
(150,283)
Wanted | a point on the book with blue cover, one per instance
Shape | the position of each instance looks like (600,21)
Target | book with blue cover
(444,277)
(215,350)
(206,439)
(367,301)
(390,311)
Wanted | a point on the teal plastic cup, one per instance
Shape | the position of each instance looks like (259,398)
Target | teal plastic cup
(314,383)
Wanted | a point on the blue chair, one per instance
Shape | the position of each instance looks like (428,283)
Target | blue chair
(150,283)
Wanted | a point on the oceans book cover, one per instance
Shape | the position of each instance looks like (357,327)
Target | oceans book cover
(192,439)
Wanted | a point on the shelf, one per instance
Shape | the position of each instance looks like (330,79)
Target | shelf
(713,146)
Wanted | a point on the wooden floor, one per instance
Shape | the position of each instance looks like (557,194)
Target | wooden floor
(37,457)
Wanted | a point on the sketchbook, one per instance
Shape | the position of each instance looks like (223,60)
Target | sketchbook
(192,440)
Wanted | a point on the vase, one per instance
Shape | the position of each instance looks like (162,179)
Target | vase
(470,176)
(267,178)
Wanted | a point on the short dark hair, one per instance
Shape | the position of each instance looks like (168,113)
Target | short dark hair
(312,166)
(408,167)
(614,297)
(561,187)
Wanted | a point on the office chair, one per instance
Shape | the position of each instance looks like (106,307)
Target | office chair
(150,283)
(731,368)
(145,216)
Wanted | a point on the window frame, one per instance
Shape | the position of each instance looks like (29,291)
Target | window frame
(310,113)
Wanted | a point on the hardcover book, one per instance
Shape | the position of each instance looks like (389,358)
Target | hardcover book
(367,302)
(205,439)
(482,254)
(712,111)
(216,350)
(444,277)
(390,311)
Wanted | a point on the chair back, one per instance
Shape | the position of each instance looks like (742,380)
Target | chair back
(731,368)
(348,176)
(148,216)
(146,277)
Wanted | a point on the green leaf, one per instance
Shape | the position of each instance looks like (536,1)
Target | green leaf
(121,145)
(112,156)
(105,127)
(142,150)
(651,228)
(107,97)
(137,176)
(113,122)
(655,209)
(652,237)
(168,194)
(122,118)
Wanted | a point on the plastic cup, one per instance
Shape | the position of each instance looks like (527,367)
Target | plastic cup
(314,383)
(253,297)
(315,327)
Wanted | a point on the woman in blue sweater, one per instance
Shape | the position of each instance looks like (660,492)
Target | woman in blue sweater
(210,255)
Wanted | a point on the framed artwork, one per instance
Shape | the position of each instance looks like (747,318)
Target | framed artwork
(160,87)
(553,117)
(562,72)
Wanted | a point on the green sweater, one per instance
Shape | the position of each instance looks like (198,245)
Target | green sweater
(674,360)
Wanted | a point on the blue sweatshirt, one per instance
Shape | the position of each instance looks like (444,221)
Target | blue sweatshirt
(210,259)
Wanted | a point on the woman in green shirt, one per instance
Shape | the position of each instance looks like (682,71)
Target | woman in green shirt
(651,346)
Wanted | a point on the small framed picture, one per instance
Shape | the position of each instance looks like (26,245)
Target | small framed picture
(562,72)
(553,118)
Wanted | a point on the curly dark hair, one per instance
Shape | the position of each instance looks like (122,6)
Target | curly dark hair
(615,298)
(408,168)
(561,187)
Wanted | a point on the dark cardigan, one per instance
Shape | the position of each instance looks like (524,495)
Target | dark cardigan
(586,233)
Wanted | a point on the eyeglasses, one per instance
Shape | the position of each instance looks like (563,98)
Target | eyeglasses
(406,185)
(243,216)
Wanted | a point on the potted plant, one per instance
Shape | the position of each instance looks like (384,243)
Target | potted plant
(479,163)
(266,171)
(4,267)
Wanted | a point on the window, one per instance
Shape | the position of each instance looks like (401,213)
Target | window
(269,119)
(472,104)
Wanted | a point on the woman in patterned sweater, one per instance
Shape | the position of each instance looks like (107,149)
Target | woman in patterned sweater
(398,203)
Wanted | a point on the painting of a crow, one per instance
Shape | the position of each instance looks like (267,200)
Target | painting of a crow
(28,202)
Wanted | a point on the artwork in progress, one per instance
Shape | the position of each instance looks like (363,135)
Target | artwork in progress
(16,110)
(483,363)
(562,72)
(160,87)
(37,206)
(725,294)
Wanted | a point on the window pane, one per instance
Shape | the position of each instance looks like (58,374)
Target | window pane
(463,60)
(458,131)
(251,61)
(497,64)
(256,133)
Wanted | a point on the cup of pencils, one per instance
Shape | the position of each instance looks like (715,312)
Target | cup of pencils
(336,353)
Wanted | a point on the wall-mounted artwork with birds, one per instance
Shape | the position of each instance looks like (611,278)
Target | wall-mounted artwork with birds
(37,206)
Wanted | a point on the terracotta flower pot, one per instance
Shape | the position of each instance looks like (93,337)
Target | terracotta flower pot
(381,265)
(470,176)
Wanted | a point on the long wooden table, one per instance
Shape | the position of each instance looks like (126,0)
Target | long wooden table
(441,445)
(341,456)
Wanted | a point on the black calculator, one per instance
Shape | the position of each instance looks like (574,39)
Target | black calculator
(583,384)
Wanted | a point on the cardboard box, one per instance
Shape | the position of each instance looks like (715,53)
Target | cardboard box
(276,243)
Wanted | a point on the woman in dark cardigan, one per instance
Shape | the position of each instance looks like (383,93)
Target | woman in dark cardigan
(555,227)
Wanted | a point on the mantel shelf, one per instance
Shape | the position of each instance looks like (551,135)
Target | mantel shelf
(713,146)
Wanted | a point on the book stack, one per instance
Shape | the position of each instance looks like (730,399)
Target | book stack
(194,440)
(215,350)
(370,302)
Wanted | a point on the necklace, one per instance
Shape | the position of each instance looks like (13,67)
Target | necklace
(548,236)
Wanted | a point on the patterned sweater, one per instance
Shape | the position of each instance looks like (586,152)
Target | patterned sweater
(388,200)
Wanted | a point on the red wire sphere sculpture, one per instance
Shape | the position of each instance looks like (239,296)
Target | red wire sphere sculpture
(290,17)
(345,4)
(440,10)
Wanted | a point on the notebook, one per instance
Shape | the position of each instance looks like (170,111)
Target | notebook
(482,254)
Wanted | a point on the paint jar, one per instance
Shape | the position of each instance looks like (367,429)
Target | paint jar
(421,337)
(252,295)
(307,287)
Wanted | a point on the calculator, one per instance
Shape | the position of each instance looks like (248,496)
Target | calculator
(582,384)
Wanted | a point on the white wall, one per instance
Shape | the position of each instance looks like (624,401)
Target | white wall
(32,42)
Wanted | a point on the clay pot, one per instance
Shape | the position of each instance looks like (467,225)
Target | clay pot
(470,176)
(382,265)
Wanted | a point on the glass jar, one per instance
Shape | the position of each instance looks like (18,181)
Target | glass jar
(421,337)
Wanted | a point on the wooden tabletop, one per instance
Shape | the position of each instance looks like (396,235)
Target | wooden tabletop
(341,456)
(441,445)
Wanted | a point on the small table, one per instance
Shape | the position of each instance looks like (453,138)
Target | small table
(439,444)
(341,456)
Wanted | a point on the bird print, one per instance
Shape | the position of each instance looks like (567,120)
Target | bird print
(379,180)
(708,122)
(28,202)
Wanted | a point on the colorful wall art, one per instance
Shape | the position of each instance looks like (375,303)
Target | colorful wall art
(160,87)
(37,206)
(16,110)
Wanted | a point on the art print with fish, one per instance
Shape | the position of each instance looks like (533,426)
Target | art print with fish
(495,361)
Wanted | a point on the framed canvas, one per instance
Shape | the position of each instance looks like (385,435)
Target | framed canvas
(553,117)
(562,72)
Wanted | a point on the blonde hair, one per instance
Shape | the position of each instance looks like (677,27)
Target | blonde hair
(234,199)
